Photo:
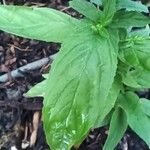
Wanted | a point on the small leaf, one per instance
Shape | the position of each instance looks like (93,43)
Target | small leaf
(36,23)
(123,19)
(130,5)
(118,126)
(135,51)
(37,90)
(129,57)
(136,118)
(136,55)
(86,8)
(45,75)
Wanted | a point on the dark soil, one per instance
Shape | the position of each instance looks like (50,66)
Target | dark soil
(17,112)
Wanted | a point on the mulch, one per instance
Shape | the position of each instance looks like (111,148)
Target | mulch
(17,113)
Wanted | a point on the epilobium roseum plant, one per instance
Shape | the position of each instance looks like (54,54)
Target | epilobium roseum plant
(102,63)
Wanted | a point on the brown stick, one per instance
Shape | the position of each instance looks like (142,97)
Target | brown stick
(27,68)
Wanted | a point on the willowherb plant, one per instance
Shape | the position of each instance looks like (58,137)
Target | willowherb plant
(102,63)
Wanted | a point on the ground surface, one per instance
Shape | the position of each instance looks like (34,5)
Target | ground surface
(19,118)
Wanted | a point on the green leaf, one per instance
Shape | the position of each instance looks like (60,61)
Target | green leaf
(86,8)
(108,12)
(137,79)
(37,90)
(130,5)
(80,78)
(143,58)
(136,118)
(129,57)
(129,80)
(37,23)
(118,126)
(111,99)
(135,52)
(145,106)
(97,2)
(45,75)
(124,19)
(141,44)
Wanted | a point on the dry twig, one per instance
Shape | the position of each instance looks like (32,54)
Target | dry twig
(27,68)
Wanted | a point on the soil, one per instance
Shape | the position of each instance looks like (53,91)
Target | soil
(17,112)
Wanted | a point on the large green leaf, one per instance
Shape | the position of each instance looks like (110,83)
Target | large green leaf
(79,82)
(86,8)
(131,6)
(136,118)
(118,126)
(37,23)
(125,19)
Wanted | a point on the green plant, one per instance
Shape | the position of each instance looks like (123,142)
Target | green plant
(103,61)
